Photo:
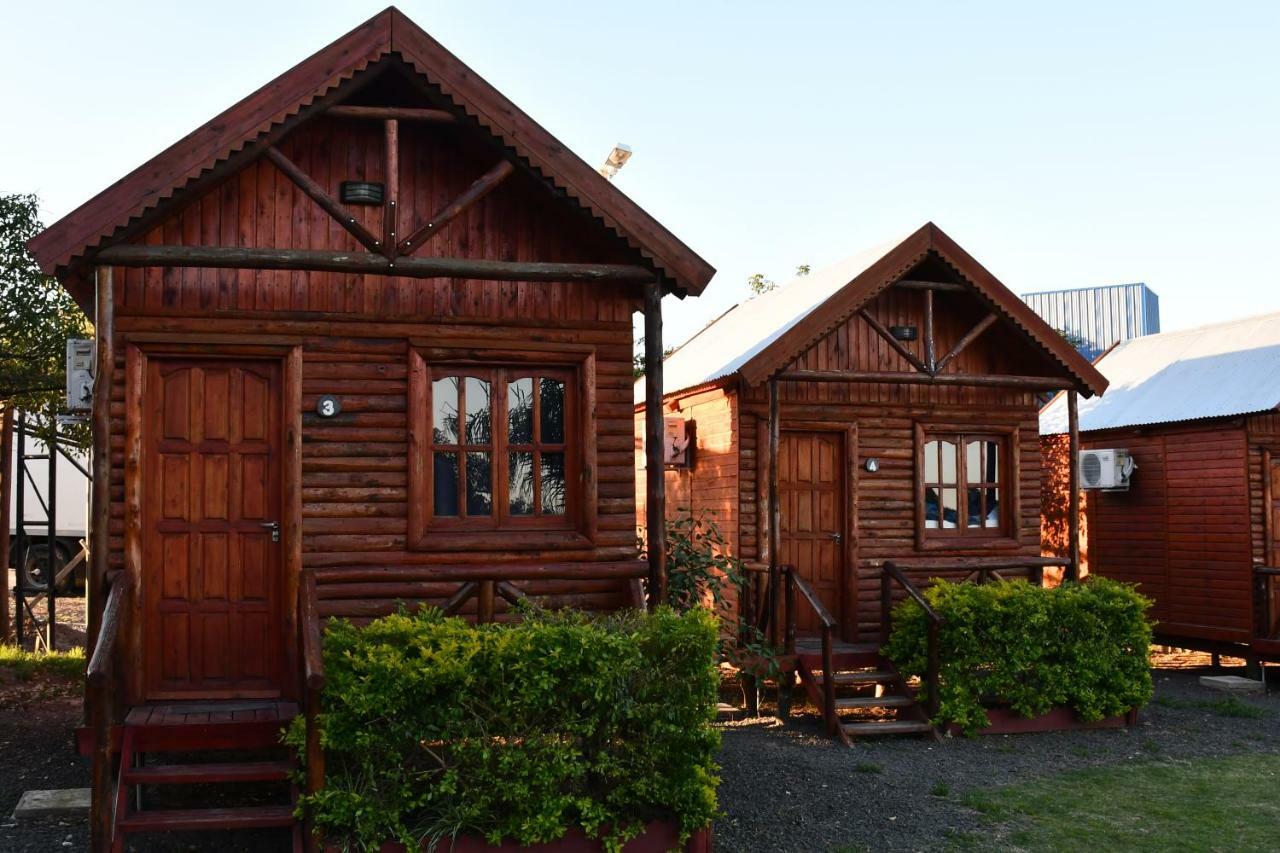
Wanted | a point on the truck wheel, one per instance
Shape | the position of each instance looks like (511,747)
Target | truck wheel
(35,569)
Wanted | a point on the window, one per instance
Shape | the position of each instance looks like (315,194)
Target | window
(499,448)
(964,493)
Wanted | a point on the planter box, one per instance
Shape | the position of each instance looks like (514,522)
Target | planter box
(1002,721)
(658,837)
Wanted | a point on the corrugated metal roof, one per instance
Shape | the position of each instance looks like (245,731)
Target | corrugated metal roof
(727,343)
(1208,372)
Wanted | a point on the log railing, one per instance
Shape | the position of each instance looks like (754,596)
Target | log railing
(1265,580)
(889,575)
(798,590)
(104,705)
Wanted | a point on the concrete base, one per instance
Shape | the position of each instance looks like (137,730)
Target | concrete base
(1232,684)
(65,802)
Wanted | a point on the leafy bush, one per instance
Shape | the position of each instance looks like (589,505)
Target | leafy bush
(1084,646)
(432,727)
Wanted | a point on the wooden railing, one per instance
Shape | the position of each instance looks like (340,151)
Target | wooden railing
(794,584)
(1264,599)
(889,575)
(104,708)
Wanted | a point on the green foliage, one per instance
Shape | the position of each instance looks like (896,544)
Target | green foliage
(433,727)
(24,664)
(1085,646)
(36,318)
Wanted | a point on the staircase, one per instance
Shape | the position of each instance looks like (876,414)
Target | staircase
(166,747)
(869,697)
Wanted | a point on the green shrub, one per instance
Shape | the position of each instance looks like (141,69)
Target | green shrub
(432,727)
(1084,646)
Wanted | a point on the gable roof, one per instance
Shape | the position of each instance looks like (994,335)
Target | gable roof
(758,337)
(1208,372)
(389,32)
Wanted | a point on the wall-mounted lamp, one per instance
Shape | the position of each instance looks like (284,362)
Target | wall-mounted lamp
(872,465)
(361,192)
(617,158)
(903,333)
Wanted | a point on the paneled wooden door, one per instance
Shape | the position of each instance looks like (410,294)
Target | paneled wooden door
(1271,471)
(811,492)
(211,558)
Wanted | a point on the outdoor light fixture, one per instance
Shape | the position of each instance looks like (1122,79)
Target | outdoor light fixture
(361,192)
(903,333)
(872,465)
(617,158)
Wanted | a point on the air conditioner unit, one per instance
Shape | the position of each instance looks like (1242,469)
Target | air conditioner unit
(1109,470)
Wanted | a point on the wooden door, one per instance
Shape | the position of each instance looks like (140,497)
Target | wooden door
(814,517)
(213,623)
(1271,463)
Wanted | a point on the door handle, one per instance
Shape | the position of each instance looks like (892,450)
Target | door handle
(837,537)
(274,527)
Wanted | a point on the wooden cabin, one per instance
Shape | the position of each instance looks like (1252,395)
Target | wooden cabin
(364,339)
(1196,526)
(880,412)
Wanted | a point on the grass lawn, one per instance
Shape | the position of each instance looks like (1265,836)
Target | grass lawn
(1196,805)
(23,664)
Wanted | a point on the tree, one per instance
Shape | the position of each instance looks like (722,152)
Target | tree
(37,316)
(759,283)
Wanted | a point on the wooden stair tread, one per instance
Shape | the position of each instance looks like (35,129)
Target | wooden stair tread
(891,701)
(199,774)
(879,676)
(247,817)
(888,727)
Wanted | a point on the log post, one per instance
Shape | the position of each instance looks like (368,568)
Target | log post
(390,236)
(930,349)
(100,496)
(6,505)
(655,478)
(1073,485)
(775,514)
(485,601)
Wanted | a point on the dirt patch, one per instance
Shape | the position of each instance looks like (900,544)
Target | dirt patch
(70,617)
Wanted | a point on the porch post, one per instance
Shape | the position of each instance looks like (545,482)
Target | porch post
(775,515)
(1073,485)
(6,506)
(655,478)
(100,496)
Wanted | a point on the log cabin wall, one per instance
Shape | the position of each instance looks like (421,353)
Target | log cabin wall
(356,332)
(1264,436)
(1182,531)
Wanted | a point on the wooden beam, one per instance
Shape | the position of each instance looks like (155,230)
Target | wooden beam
(930,351)
(6,511)
(944,286)
(100,458)
(392,113)
(317,194)
(391,192)
(1027,383)
(775,512)
(1073,484)
(480,188)
(219,257)
(970,337)
(655,474)
(892,341)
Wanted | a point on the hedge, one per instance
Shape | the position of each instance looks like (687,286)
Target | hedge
(1084,646)
(434,728)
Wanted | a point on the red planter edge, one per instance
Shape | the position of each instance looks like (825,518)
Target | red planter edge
(1002,721)
(659,836)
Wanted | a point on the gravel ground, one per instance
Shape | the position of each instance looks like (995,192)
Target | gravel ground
(789,788)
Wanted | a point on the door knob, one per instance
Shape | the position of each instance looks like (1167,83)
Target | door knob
(838,537)
(274,527)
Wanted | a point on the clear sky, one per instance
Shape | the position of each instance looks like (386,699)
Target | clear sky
(1063,145)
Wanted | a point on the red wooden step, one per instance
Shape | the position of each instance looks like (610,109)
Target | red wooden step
(172,820)
(843,679)
(888,727)
(892,701)
(200,774)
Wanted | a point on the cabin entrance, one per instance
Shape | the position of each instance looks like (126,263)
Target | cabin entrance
(812,492)
(211,558)
(1270,591)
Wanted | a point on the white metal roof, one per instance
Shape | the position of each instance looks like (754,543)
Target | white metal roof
(1208,372)
(727,343)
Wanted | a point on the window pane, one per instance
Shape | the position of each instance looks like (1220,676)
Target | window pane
(552,415)
(444,405)
(931,462)
(478,408)
(520,411)
(931,508)
(949,508)
(479,484)
(974,508)
(973,461)
(553,484)
(993,508)
(445,480)
(948,462)
(520,482)
(991,462)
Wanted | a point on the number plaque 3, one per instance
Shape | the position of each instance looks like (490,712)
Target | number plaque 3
(328,406)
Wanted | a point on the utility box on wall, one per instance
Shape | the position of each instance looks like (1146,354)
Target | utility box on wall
(79,375)
(678,441)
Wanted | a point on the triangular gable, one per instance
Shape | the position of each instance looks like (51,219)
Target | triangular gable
(290,94)
(875,277)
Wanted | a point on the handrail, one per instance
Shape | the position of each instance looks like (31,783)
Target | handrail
(889,572)
(312,638)
(102,662)
(828,625)
(101,687)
